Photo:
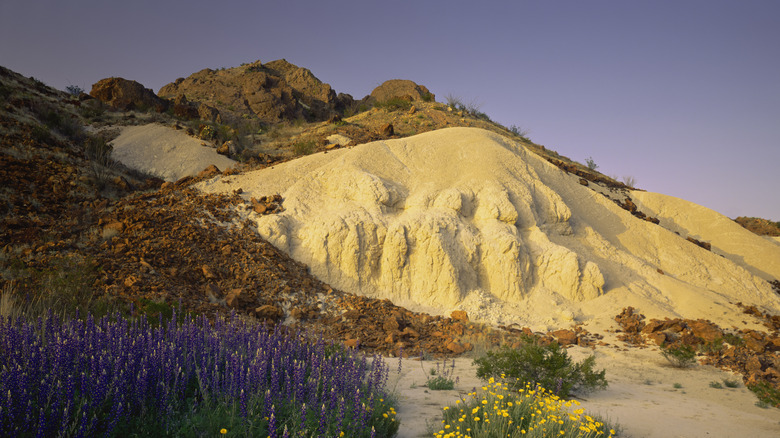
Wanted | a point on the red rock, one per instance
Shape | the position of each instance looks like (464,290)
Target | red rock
(209,172)
(460,315)
(351,343)
(456,347)
(705,330)
(565,337)
(232,297)
(659,338)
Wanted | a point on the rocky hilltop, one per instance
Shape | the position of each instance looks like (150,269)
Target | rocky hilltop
(271,92)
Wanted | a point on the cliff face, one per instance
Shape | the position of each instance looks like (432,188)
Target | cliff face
(272,92)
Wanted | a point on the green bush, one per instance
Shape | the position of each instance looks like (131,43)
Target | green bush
(547,365)
(441,377)
(394,104)
(304,147)
(680,356)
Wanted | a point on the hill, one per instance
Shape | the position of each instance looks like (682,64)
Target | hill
(394,224)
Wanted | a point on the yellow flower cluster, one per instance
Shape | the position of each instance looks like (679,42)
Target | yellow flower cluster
(527,412)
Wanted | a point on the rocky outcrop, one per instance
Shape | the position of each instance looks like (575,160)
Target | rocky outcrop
(272,92)
(401,89)
(124,94)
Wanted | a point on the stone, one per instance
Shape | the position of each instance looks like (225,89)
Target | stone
(208,272)
(269,312)
(386,130)
(705,330)
(209,171)
(209,113)
(459,315)
(565,337)
(232,297)
(399,89)
(125,95)
(225,148)
(456,347)
(659,338)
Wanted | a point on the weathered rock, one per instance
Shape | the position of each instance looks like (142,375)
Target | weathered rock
(459,315)
(209,172)
(706,330)
(209,113)
(565,337)
(269,312)
(126,95)
(401,88)
(386,130)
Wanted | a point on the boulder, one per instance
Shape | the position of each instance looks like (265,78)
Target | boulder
(400,89)
(124,94)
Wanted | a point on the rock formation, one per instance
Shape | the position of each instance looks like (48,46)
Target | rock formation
(125,95)
(272,92)
(401,89)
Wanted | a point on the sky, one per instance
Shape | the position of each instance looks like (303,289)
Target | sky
(681,95)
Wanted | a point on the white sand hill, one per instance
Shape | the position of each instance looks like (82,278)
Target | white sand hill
(464,218)
(165,152)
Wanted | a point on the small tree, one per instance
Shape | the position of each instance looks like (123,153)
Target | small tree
(591,164)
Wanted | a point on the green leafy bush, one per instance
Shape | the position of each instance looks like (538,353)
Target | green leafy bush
(442,377)
(547,365)
(680,356)
(304,147)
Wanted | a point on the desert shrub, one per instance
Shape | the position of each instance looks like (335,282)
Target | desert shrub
(731,383)
(767,394)
(5,91)
(547,365)
(427,97)
(394,104)
(716,385)
(500,411)
(520,132)
(41,134)
(304,147)
(207,132)
(453,101)
(591,164)
(441,377)
(680,356)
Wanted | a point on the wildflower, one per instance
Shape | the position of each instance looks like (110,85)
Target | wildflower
(223,431)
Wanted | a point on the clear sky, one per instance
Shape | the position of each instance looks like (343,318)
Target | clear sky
(682,95)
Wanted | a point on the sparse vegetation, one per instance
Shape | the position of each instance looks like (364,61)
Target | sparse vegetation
(629,181)
(547,365)
(304,147)
(394,104)
(767,394)
(520,132)
(441,377)
(591,164)
(716,385)
(680,356)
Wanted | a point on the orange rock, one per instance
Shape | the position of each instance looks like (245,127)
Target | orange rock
(460,315)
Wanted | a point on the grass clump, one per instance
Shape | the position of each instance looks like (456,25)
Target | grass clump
(501,410)
(188,376)
(680,356)
(547,365)
(394,104)
(767,394)
(304,148)
(441,377)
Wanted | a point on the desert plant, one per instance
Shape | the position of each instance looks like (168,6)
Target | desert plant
(441,377)
(499,411)
(591,163)
(677,385)
(547,365)
(520,132)
(427,97)
(731,383)
(767,394)
(716,385)
(629,181)
(454,101)
(304,147)
(394,104)
(679,355)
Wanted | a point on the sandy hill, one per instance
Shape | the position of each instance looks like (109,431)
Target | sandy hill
(463,218)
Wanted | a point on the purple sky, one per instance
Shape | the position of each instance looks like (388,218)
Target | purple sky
(682,95)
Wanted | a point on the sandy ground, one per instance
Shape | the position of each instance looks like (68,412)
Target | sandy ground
(641,397)
(165,152)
